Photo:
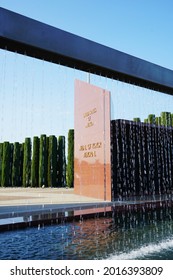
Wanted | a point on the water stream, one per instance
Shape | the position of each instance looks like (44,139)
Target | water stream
(132,232)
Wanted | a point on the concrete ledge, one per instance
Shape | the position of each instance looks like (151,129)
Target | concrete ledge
(19,210)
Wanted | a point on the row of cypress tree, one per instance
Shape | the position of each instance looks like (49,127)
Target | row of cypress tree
(38,163)
(165,119)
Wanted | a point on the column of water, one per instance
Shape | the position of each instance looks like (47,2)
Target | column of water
(3,89)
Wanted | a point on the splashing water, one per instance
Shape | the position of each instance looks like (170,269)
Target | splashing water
(145,252)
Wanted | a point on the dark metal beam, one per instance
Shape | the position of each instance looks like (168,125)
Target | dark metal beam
(27,36)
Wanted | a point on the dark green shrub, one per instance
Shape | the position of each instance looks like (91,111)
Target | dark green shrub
(27,163)
(136,119)
(52,161)
(16,180)
(158,120)
(70,159)
(11,163)
(1,156)
(21,162)
(166,119)
(61,162)
(43,161)
(5,180)
(171,119)
(151,119)
(35,162)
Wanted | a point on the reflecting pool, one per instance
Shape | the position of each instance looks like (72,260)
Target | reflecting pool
(128,233)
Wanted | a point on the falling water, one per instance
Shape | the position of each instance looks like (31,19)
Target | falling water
(141,160)
(142,166)
(130,232)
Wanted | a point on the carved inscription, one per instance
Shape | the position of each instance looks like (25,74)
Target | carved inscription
(89,150)
(88,116)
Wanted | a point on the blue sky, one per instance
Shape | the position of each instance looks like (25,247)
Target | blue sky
(142,28)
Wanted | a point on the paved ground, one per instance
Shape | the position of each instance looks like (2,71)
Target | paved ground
(24,206)
(31,196)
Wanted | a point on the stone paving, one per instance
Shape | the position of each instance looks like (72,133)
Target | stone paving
(38,196)
(25,206)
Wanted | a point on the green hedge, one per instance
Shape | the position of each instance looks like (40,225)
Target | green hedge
(52,161)
(1,156)
(151,119)
(16,170)
(35,162)
(158,121)
(137,120)
(43,161)
(166,119)
(5,180)
(70,159)
(27,163)
(61,162)
(47,166)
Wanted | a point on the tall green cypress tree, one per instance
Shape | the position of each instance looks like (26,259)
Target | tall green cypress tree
(27,163)
(137,120)
(5,181)
(21,148)
(61,162)
(1,156)
(171,119)
(43,161)
(166,119)
(11,163)
(151,119)
(21,162)
(35,163)
(158,120)
(16,165)
(70,159)
(52,161)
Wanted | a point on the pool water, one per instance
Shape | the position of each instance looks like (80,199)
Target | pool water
(138,234)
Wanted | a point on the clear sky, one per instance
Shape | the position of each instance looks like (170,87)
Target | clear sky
(142,28)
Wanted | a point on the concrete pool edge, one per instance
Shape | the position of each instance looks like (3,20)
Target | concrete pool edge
(25,216)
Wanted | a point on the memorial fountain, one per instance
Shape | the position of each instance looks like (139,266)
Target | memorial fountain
(136,222)
(141,160)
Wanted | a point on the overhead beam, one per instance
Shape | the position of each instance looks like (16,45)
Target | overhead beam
(27,36)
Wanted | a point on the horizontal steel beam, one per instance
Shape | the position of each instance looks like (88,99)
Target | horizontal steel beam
(27,36)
